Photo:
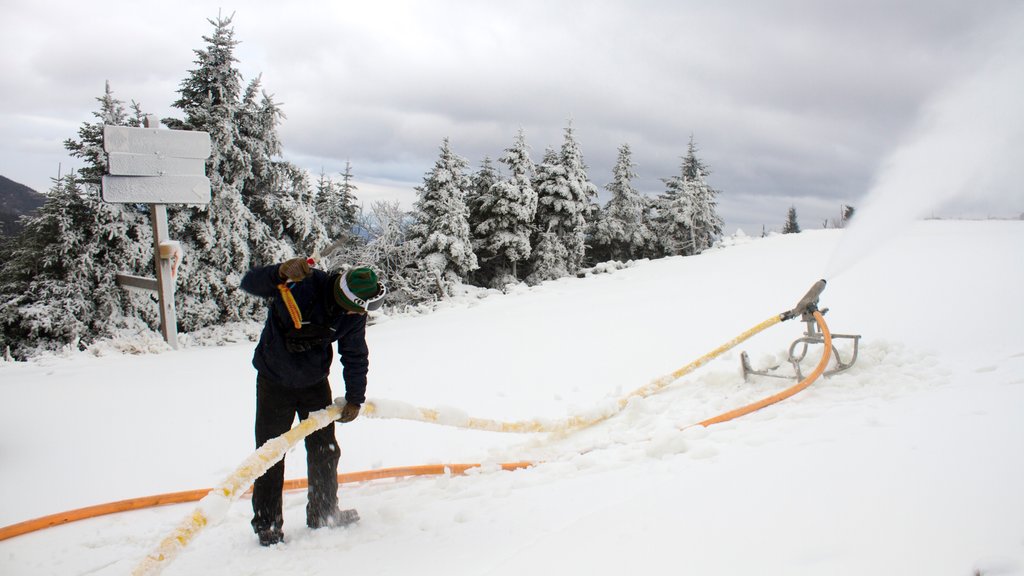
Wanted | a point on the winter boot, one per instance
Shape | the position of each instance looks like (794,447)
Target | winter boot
(336,519)
(270,536)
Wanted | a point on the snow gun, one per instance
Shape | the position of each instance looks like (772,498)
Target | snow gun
(289,301)
(805,309)
(808,304)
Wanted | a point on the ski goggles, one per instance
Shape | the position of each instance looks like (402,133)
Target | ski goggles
(367,305)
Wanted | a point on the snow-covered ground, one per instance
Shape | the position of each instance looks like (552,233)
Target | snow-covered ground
(910,463)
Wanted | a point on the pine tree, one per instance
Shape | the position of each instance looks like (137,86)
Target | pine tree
(479,187)
(261,210)
(390,251)
(847,215)
(256,122)
(674,222)
(584,195)
(621,232)
(289,210)
(688,221)
(89,145)
(791,226)
(480,184)
(58,277)
(336,205)
(507,211)
(706,224)
(549,259)
(441,230)
(565,199)
(277,192)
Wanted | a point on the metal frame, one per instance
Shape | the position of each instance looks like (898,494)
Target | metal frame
(811,336)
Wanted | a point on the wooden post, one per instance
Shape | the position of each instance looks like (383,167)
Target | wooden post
(157,167)
(164,279)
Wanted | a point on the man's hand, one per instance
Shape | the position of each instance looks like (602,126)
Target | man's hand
(348,412)
(294,270)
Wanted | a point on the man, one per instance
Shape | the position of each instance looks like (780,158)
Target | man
(292,360)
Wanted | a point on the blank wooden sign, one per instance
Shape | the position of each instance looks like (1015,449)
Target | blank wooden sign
(154,166)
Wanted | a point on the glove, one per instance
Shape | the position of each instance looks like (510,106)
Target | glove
(294,270)
(348,412)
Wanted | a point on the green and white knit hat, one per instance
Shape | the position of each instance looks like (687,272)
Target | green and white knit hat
(359,290)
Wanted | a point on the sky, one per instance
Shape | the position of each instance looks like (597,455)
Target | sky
(791,103)
(908,463)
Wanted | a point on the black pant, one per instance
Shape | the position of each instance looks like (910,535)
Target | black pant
(276,407)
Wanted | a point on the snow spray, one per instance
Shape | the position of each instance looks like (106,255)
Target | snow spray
(967,145)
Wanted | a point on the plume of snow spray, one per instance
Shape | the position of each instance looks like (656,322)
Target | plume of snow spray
(969,143)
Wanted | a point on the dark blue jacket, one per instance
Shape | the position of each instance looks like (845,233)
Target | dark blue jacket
(315,298)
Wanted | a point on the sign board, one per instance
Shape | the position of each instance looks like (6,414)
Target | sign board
(157,167)
(154,166)
(173,143)
(157,189)
(123,164)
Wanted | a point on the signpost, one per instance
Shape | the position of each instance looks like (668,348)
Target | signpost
(157,167)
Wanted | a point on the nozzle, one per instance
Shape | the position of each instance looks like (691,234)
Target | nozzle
(807,304)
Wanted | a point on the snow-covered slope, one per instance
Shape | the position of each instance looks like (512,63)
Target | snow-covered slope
(909,463)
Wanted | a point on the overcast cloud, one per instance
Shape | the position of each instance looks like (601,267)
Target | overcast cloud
(791,103)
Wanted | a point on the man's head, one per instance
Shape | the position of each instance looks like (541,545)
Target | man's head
(359,290)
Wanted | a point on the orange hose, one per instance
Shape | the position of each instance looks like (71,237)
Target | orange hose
(196,495)
(742,411)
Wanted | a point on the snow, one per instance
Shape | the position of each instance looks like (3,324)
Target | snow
(908,463)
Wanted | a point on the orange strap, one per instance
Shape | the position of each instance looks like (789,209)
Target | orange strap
(289,302)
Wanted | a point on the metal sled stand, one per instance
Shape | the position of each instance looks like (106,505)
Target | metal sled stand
(811,336)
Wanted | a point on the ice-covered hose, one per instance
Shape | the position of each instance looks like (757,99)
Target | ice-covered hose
(375,408)
(214,506)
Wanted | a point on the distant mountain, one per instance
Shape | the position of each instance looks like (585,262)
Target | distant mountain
(16,200)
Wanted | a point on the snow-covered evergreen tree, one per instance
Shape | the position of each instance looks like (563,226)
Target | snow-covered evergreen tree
(58,277)
(256,121)
(219,238)
(621,232)
(688,221)
(336,208)
(277,192)
(674,221)
(89,145)
(565,199)
(479,187)
(791,226)
(261,210)
(289,210)
(507,211)
(846,214)
(549,259)
(584,196)
(336,204)
(390,251)
(707,223)
(441,229)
